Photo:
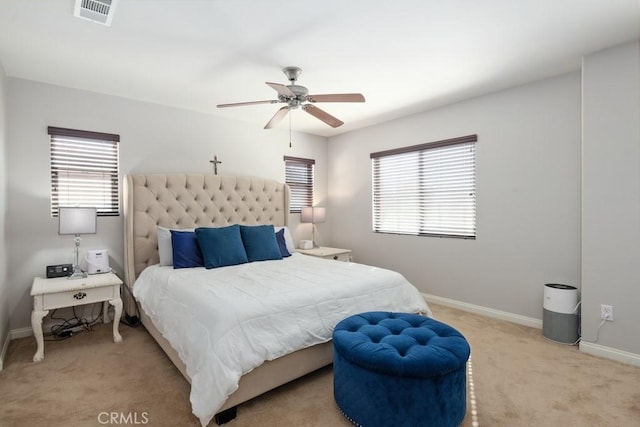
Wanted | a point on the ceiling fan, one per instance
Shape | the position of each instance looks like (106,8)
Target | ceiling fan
(295,96)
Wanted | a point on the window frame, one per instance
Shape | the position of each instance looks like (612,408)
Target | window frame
(94,161)
(302,189)
(420,200)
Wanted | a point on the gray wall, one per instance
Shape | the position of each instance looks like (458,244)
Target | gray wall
(528,197)
(611,195)
(4,290)
(153,139)
(533,225)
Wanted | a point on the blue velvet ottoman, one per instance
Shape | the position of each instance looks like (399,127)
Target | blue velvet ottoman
(399,369)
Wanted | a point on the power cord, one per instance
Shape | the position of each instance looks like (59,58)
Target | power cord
(597,333)
(131,321)
(68,327)
(580,338)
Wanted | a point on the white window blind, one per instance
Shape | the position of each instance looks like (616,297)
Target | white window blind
(427,189)
(84,170)
(299,177)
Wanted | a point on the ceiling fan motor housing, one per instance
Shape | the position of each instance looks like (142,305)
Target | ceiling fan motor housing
(300,92)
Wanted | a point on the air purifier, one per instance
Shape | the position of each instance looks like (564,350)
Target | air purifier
(98,261)
(561,316)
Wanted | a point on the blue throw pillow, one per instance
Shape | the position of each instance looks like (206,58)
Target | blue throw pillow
(221,246)
(185,249)
(282,244)
(260,242)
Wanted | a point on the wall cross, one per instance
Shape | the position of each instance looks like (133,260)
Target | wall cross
(215,162)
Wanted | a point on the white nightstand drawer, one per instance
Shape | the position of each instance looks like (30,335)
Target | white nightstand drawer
(324,252)
(344,257)
(77,297)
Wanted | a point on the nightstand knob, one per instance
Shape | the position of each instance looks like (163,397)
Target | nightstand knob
(79,295)
(335,257)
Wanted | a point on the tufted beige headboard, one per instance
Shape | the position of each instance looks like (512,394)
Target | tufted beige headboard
(193,200)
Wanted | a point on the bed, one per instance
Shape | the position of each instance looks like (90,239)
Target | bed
(188,201)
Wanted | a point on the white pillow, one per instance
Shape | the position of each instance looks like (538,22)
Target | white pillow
(165,249)
(288,240)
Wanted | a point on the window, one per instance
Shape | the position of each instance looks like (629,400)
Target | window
(427,189)
(84,170)
(298,174)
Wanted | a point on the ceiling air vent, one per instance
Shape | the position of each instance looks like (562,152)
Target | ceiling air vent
(99,11)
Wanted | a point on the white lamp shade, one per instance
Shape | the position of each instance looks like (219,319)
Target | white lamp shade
(313,215)
(76,220)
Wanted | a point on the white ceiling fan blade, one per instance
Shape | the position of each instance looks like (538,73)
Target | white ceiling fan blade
(240,104)
(322,115)
(337,97)
(279,115)
(282,90)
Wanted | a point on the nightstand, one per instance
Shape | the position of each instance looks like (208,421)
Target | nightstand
(337,254)
(49,294)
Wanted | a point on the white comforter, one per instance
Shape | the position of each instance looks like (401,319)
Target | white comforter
(227,321)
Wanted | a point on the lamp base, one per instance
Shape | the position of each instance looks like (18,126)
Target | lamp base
(77,274)
(313,237)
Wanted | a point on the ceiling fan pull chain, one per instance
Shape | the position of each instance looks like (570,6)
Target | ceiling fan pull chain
(290,130)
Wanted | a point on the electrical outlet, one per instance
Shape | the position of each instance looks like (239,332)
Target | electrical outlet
(606,312)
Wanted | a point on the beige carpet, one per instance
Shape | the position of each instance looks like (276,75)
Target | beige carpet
(520,379)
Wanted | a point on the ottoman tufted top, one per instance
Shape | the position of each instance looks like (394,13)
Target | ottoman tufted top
(400,344)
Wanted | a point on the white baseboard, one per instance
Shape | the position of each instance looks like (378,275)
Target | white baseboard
(484,311)
(21,333)
(610,353)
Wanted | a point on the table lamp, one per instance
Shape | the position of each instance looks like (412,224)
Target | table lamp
(314,216)
(77,221)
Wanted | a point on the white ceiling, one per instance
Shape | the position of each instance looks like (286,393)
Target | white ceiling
(405,56)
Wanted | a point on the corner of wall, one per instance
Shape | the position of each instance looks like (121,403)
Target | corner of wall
(4,294)
(3,350)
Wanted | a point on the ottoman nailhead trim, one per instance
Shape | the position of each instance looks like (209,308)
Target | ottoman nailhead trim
(472,394)
(352,422)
